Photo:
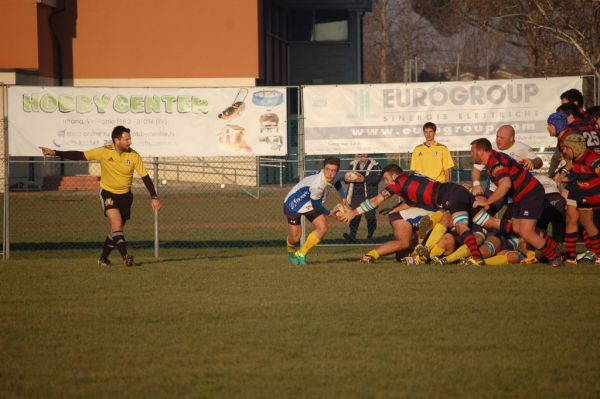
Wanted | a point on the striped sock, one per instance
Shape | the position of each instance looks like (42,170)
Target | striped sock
(570,244)
(595,243)
(549,249)
(506,226)
(471,242)
(586,240)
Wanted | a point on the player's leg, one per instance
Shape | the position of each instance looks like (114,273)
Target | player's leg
(402,233)
(586,216)
(321,226)
(294,233)
(571,232)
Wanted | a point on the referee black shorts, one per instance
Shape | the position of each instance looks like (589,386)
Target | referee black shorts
(122,202)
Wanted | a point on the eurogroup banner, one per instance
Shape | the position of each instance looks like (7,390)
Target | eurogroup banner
(163,121)
(388,118)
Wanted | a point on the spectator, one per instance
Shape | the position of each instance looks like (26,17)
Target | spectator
(365,186)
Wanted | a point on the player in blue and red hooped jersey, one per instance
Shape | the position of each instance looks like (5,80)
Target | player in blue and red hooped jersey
(526,192)
(584,192)
(421,191)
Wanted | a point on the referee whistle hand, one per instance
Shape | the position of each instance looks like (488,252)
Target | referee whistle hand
(156,205)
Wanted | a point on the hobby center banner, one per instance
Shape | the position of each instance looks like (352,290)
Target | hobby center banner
(385,118)
(163,121)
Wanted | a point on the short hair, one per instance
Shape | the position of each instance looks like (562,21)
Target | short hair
(570,109)
(482,144)
(331,160)
(392,169)
(430,125)
(593,111)
(573,96)
(118,131)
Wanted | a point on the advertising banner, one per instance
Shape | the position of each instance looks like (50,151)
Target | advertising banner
(163,121)
(388,118)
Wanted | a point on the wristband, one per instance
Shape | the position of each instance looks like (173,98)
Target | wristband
(476,183)
(155,197)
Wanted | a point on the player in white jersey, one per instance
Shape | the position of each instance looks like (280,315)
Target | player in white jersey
(555,208)
(521,152)
(306,199)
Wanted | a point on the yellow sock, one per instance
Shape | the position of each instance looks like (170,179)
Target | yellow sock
(436,251)
(461,252)
(497,260)
(436,217)
(436,235)
(290,247)
(374,254)
(310,242)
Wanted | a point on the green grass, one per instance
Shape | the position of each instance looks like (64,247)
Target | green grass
(234,323)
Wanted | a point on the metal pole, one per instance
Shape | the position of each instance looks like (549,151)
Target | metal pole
(156,230)
(280,174)
(301,154)
(6,229)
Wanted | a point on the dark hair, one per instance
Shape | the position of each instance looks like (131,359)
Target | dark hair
(430,125)
(570,109)
(573,96)
(593,111)
(482,144)
(392,168)
(118,131)
(331,160)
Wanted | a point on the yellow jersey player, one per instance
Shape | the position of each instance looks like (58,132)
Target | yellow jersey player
(118,161)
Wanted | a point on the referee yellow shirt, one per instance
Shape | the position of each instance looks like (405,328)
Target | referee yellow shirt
(431,161)
(116,170)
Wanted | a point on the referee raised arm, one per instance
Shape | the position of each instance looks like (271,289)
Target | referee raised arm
(117,164)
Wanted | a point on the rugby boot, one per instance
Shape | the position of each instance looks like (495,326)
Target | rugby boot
(301,259)
(529,259)
(557,262)
(411,260)
(292,258)
(475,262)
(128,260)
(104,263)
(424,226)
(439,261)
(367,259)
(423,252)
(586,257)
(571,261)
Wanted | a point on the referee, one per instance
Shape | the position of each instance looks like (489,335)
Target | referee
(117,164)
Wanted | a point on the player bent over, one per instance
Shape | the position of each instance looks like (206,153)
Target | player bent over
(424,192)
(118,161)
(306,199)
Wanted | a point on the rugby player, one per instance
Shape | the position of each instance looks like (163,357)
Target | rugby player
(118,161)
(306,199)
(513,180)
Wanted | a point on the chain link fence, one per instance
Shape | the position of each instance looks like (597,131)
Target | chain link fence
(209,204)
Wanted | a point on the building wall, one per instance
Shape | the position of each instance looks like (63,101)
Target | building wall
(155,39)
(18,34)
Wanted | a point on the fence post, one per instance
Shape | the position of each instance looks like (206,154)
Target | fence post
(5,222)
(156,241)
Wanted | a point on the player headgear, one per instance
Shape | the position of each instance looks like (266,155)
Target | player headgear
(574,141)
(559,121)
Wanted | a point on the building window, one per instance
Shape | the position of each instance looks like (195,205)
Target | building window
(318,25)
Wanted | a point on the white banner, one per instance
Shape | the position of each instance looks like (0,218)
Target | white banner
(388,118)
(163,121)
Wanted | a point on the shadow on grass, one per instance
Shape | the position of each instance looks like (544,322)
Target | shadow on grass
(46,246)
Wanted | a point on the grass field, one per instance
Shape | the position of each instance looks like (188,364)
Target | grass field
(223,323)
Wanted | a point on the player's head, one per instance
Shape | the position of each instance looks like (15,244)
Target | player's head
(429,130)
(557,122)
(121,138)
(594,113)
(505,137)
(479,149)
(331,166)
(571,110)
(573,96)
(572,145)
(362,157)
(391,172)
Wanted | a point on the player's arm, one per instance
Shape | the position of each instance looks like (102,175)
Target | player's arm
(152,190)
(476,179)
(340,189)
(367,205)
(503,187)
(71,155)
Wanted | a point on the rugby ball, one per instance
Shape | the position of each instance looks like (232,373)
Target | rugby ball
(339,210)
(351,176)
